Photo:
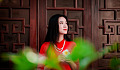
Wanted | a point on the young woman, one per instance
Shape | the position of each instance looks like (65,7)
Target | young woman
(57,34)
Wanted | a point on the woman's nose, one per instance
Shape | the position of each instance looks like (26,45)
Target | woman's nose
(65,25)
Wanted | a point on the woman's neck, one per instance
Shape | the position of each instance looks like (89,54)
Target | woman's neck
(61,37)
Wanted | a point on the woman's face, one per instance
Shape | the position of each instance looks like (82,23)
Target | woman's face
(63,27)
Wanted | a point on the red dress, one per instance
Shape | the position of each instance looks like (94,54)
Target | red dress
(68,46)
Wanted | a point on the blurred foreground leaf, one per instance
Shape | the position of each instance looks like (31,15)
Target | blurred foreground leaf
(115,63)
(24,60)
(85,52)
(52,59)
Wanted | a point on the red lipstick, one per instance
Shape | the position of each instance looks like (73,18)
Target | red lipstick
(64,29)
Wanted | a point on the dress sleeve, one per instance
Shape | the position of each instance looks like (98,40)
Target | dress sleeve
(73,44)
(43,50)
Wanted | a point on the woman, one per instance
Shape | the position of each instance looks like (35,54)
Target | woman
(57,34)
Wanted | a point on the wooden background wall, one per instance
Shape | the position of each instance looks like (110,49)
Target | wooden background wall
(24,23)
(105,28)
(17,26)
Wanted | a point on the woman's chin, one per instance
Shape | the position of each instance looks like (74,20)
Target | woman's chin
(65,33)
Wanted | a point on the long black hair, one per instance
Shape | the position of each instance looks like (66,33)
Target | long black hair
(53,29)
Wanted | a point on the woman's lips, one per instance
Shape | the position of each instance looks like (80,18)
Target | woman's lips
(64,29)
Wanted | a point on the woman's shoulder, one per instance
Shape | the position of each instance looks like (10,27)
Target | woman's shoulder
(44,47)
(46,43)
(71,43)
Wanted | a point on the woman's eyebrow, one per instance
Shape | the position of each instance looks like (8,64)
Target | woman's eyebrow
(62,21)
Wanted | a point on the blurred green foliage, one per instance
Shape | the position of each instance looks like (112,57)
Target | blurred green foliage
(84,51)
(115,63)
(23,60)
(52,59)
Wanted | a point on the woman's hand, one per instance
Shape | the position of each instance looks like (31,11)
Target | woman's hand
(62,58)
(72,64)
(46,68)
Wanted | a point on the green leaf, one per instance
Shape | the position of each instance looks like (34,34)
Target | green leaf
(52,60)
(84,51)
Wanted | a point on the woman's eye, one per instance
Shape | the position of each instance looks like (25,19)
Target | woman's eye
(61,23)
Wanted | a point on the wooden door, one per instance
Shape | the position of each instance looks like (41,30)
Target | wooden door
(17,26)
(105,29)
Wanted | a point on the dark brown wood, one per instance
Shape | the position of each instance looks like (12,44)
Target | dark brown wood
(95,28)
(14,26)
(21,3)
(109,9)
(62,8)
(105,30)
(18,44)
(38,26)
(42,21)
(33,21)
(17,27)
(65,12)
(87,20)
(54,3)
(76,3)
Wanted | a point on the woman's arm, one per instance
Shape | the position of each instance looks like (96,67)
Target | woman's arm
(42,52)
(72,65)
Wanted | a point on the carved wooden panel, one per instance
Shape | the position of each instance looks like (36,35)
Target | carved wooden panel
(11,30)
(15,20)
(109,30)
(17,26)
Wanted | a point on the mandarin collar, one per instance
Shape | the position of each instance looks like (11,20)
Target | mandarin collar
(60,42)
